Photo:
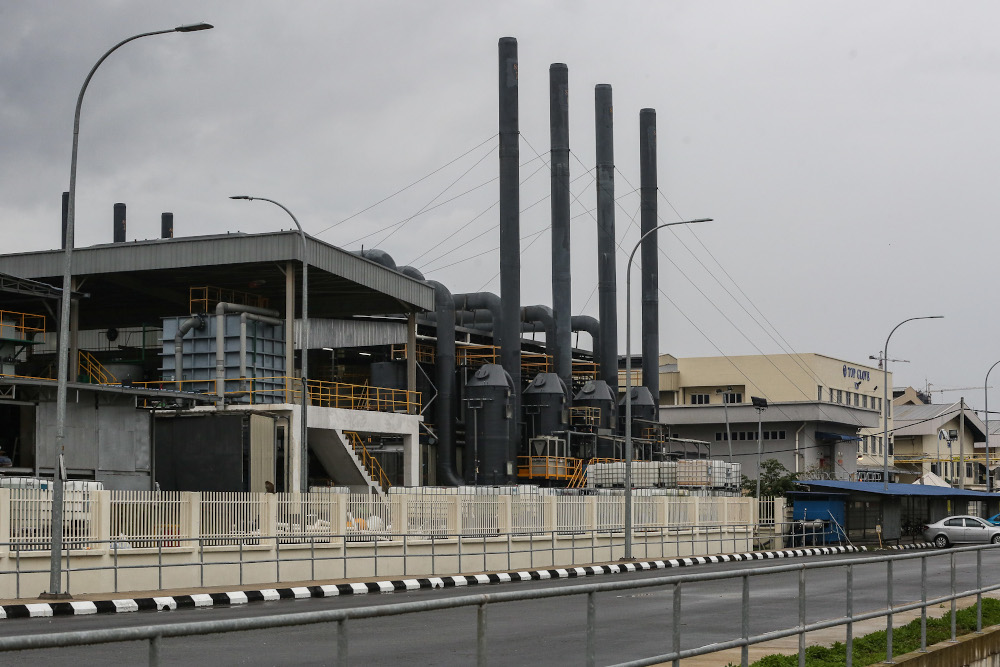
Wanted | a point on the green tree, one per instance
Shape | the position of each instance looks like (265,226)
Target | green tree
(775,480)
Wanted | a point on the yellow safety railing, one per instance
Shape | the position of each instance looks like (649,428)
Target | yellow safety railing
(533,363)
(425,353)
(579,477)
(362,397)
(92,368)
(547,467)
(20,326)
(584,370)
(370,463)
(477,355)
(585,416)
(204,299)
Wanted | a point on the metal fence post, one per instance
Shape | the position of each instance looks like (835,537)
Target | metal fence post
(676,624)
(159,563)
(241,562)
(277,560)
(979,592)
(154,651)
(114,546)
(802,617)
(481,635)
(745,614)
(312,557)
(849,644)
(591,629)
(888,617)
(923,601)
(201,561)
(954,602)
(342,642)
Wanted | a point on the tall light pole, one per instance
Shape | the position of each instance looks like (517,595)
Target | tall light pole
(759,404)
(628,379)
(725,409)
(62,363)
(885,398)
(986,399)
(303,447)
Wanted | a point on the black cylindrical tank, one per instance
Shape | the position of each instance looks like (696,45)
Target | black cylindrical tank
(544,406)
(488,457)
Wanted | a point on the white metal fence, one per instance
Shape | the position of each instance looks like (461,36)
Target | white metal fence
(134,519)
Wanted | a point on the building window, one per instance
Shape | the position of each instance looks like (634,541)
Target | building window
(891,446)
(864,400)
(936,468)
(819,392)
(968,470)
(857,400)
(879,404)
(864,444)
(840,396)
(732,397)
(831,395)
(699,399)
(879,445)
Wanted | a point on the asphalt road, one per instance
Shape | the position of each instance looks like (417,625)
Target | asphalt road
(632,624)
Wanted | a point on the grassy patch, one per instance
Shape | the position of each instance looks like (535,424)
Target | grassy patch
(870,649)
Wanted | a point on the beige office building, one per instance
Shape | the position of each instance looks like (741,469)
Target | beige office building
(824,414)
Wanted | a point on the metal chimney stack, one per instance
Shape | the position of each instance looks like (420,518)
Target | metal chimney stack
(561,276)
(166,225)
(650,263)
(119,223)
(606,257)
(510,242)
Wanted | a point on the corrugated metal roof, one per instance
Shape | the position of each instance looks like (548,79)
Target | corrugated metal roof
(144,280)
(928,419)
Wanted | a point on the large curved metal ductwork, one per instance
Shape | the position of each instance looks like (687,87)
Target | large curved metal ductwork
(544,316)
(444,309)
(411,272)
(193,322)
(490,302)
(378,256)
(589,325)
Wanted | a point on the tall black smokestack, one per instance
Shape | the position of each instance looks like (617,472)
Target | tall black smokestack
(606,257)
(510,233)
(166,225)
(561,277)
(65,217)
(119,223)
(650,263)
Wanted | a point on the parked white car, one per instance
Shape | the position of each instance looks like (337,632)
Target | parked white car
(961,529)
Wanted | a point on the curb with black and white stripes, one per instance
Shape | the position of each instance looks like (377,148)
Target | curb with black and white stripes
(915,545)
(79,608)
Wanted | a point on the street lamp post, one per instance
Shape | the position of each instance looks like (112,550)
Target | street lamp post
(986,412)
(759,404)
(885,398)
(303,447)
(725,409)
(62,363)
(628,380)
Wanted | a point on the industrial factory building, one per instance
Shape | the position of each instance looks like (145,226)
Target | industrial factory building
(212,363)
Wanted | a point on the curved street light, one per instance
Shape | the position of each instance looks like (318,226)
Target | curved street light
(303,447)
(986,401)
(885,398)
(62,363)
(628,379)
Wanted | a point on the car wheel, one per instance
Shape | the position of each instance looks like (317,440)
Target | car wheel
(940,541)
(995,539)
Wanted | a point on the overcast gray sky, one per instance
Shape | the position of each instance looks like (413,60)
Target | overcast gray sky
(847,151)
